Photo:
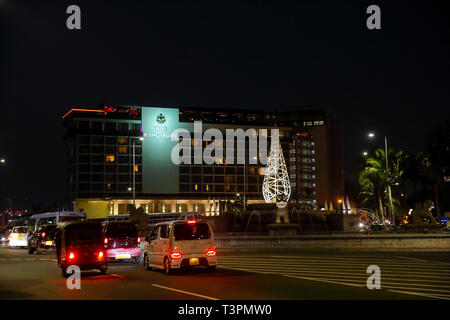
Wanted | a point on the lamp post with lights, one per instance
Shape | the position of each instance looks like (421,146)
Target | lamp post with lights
(371,135)
(134,170)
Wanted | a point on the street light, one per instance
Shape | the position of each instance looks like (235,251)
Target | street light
(372,135)
(2,160)
(134,171)
(365,153)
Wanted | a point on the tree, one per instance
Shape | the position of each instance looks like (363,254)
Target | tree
(375,180)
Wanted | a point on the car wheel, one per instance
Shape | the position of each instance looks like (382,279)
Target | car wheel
(167,268)
(146,264)
(211,268)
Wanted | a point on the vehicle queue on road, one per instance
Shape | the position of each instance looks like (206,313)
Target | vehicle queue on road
(172,243)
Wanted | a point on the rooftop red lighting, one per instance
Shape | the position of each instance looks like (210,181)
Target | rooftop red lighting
(84,110)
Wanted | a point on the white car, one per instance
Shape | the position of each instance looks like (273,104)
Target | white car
(179,244)
(18,237)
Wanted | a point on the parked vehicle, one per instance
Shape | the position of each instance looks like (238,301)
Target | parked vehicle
(81,244)
(53,218)
(43,239)
(18,237)
(121,241)
(180,244)
(4,237)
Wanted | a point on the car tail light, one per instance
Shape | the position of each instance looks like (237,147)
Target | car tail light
(105,241)
(176,255)
(43,234)
(211,252)
(100,255)
(192,222)
(72,256)
(139,240)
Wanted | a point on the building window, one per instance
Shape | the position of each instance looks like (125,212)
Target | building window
(110,158)
(196,187)
(123,150)
(207,187)
(136,168)
(122,140)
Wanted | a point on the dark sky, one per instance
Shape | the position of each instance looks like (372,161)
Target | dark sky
(216,54)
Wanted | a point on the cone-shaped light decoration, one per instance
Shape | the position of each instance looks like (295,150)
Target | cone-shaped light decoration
(348,205)
(276,179)
(326,206)
(331,206)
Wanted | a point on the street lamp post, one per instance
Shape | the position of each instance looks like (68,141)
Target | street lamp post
(391,211)
(134,171)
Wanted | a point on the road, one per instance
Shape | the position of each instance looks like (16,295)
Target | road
(273,274)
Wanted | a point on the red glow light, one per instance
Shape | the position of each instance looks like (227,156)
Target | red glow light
(192,222)
(71,256)
(176,255)
(211,252)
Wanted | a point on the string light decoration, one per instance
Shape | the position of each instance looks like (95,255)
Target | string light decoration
(276,185)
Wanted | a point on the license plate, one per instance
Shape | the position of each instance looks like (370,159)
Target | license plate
(48,243)
(19,237)
(193,261)
(123,256)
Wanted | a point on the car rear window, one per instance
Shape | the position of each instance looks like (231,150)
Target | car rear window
(83,234)
(20,230)
(121,230)
(196,231)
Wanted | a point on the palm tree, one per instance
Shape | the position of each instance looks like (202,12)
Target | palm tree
(376,181)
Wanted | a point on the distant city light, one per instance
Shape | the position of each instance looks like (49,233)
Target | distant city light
(365,153)
(371,135)
(2,160)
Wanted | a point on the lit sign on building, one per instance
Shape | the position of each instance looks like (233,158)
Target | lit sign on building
(159,173)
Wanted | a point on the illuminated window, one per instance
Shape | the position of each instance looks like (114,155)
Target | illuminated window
(251,170)
(196,187)
(262,171)
(110,158)
(108,186)
(207,187)
(228,187)
(122,140)
(123,149)
(136,168)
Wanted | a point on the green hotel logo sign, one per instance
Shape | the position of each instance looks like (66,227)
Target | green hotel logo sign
(161,118)
(159,173)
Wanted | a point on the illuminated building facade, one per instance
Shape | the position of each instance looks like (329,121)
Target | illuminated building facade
(111,159)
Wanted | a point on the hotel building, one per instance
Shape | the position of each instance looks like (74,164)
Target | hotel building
(120,155)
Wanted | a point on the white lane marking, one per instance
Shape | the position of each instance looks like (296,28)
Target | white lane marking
(322,280)
(277,267)
(339,263)
(185,292)
(428,295)
(364,277)
(428,261)
(117,275)
(45,259)
(242,269)
(363,285)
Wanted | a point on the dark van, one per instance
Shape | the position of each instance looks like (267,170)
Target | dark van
(80,244)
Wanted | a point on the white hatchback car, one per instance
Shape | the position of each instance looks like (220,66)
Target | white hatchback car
(179,244)
(18,237)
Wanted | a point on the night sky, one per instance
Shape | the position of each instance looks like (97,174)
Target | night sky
(216,54)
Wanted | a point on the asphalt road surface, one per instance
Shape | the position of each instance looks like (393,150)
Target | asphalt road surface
(272,274)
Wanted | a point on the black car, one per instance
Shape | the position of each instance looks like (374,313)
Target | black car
(43,239)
